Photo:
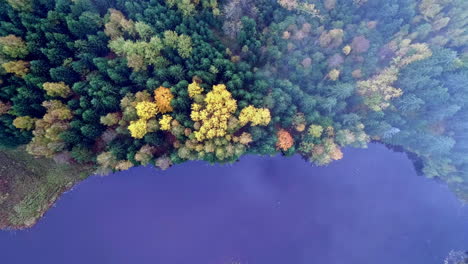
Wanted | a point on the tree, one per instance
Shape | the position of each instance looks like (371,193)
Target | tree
(24,122)
(347,50)
(163,97)
(360,44)
(118,25)
(138,129)
(47,140)
(146,110)
(139,54)
(145,154)
(299,122)
(334,74)
(4,108)
(331,39)
(233,12)
(57,89)
(188,8)
(21,5)
(184,46)
(214,115)
(110,119)
(82,154)
(194,89)
(165,122)
(182,43)
(430,8)
(245,138)
(256,116)
(315,131)
(285,140)
(13,47)
(163,162)
(144,30)
(19,68)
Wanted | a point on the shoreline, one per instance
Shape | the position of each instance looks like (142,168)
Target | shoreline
(84,173)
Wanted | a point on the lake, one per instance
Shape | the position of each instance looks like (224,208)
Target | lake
(369,207)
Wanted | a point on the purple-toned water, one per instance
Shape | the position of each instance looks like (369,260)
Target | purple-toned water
(368,208)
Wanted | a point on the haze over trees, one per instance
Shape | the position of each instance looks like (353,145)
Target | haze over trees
(120,83)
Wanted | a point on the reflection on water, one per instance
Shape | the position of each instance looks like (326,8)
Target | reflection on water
(369,207)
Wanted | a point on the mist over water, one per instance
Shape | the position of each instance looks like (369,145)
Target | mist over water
(369,207)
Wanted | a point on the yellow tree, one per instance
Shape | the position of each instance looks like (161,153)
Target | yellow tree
(346,50)
(146,110)
(13,47)
(110,119)
(138,129)
(163,97)
(257,116)
(334,74)
(417,51)
(315,131)
(59,89)
(378,90)
(245,138)
(214,115)
(123,165)
(47,141)
(24,122)
(194,89)
(19,68)
(165,122)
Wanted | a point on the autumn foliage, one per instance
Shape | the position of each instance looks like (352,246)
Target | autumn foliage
(59,89)
(165,122)
(24,122)
(19,68)
(146,110)
(285,140)
(122,83)
(194,89)
(47,141)
(13,47)
(256,116)
(138,129)
(214,115)
(163,98)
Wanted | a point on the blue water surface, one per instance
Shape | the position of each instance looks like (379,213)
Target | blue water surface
(368,208)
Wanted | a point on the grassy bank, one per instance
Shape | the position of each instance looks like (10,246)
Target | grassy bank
(29,186)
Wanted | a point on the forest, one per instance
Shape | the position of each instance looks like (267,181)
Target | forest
(113,84)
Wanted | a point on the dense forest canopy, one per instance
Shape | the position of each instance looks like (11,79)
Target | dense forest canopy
(121,83)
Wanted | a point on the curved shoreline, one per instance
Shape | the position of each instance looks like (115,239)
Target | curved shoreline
(27,162)
(31,186)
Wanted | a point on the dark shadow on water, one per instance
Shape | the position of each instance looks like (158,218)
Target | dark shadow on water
(369,207)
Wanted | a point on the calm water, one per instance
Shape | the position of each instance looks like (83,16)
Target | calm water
(369,207)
